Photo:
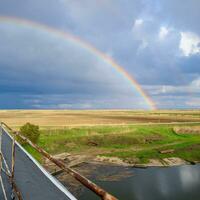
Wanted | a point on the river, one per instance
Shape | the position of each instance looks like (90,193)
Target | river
(154,183)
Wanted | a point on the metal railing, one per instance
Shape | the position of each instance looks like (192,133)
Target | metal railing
(10,173)
(104,195)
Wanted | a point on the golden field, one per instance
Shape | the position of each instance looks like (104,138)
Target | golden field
(60,118)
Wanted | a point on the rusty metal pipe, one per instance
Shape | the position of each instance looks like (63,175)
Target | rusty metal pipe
(86,182)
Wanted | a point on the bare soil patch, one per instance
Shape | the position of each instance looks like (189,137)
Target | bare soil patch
(187,129)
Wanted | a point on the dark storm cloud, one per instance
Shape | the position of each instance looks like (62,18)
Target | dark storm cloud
(35,62)
(144,36)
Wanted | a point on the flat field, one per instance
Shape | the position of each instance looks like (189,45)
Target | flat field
(71,118)
(132,136)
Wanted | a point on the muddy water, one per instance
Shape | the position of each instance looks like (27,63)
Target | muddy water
(173,183)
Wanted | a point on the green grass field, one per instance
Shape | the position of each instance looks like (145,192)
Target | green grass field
(128,142)
(127,134)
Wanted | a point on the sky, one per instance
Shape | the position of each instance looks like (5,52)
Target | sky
(157,42)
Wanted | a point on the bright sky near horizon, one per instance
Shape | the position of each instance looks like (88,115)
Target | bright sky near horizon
(157,42)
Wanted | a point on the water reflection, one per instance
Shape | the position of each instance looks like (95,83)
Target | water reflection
(189,178)
(175,183)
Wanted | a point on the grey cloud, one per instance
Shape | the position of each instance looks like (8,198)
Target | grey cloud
(35,62)
(107,25)
(184,15)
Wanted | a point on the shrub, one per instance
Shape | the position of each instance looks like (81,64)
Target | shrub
(30,131)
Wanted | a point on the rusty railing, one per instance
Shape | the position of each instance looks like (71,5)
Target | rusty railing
(10,174)
(104,195)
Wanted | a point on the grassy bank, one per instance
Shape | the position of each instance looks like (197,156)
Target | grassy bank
(129,142)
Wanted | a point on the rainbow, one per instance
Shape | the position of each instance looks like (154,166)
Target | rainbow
(83,44)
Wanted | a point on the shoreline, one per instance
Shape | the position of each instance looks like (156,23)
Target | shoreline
(166,162)
(76,160)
